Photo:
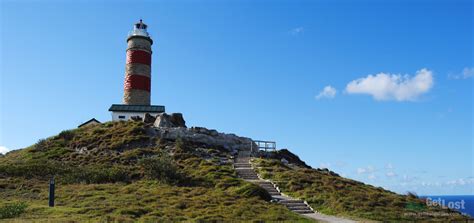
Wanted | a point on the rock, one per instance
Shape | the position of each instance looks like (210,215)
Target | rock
(163,120)
(202,130)
(287,155)
(169,121)
(177,120)
(82,150)
(199,135)
(149,118)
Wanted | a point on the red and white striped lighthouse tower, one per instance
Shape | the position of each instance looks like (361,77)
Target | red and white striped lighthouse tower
(137,85)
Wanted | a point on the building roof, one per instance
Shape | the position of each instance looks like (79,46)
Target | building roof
(91,120)
(137,108)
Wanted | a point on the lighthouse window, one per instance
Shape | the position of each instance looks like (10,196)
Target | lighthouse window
(121,117)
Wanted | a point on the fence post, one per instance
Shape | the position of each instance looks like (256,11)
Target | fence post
(51,192)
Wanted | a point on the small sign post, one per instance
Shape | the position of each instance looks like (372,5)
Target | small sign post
(51,192)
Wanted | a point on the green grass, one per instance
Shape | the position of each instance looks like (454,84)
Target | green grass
(116,171)
(331,194)
(12,210)
(123,174)
(145,200)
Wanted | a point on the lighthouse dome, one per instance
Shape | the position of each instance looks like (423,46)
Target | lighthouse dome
(139,29)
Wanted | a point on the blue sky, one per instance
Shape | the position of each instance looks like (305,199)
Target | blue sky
(378,91)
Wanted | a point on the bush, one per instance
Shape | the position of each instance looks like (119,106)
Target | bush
(66,135)
(412,195)
(253,190)
(161,167)
(12,210)
(41,145)
(227,182)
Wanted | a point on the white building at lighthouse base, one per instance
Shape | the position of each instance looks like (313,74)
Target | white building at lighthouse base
(122,112)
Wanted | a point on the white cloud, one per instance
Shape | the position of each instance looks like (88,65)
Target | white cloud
(386,86)
(4,150)
(296,31)
(371,177)
(327,92)
(391,174)
(430,184)
(366,170)
(408,179)
(361,170)
(461,182)
(390,170)
(467,72)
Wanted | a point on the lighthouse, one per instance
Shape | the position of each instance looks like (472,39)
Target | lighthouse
(137,83)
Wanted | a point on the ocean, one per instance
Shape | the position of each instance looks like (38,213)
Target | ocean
(462,203)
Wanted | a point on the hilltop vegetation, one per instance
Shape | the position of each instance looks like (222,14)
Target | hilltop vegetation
(117,172)
(120,171)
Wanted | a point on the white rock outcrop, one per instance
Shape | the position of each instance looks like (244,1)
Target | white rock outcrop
(230,142)
(172,120)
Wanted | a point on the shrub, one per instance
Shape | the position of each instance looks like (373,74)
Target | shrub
(412,195)
(227,182)
(253,190)
(12,210)
(41,145)
(161,167)
(66,135)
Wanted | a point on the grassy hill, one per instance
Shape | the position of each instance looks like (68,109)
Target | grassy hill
(331,194)
(118,171)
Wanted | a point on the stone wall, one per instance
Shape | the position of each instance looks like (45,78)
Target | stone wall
(136,97)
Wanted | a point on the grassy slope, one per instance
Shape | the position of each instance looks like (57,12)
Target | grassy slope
(332,194)
(108,181)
